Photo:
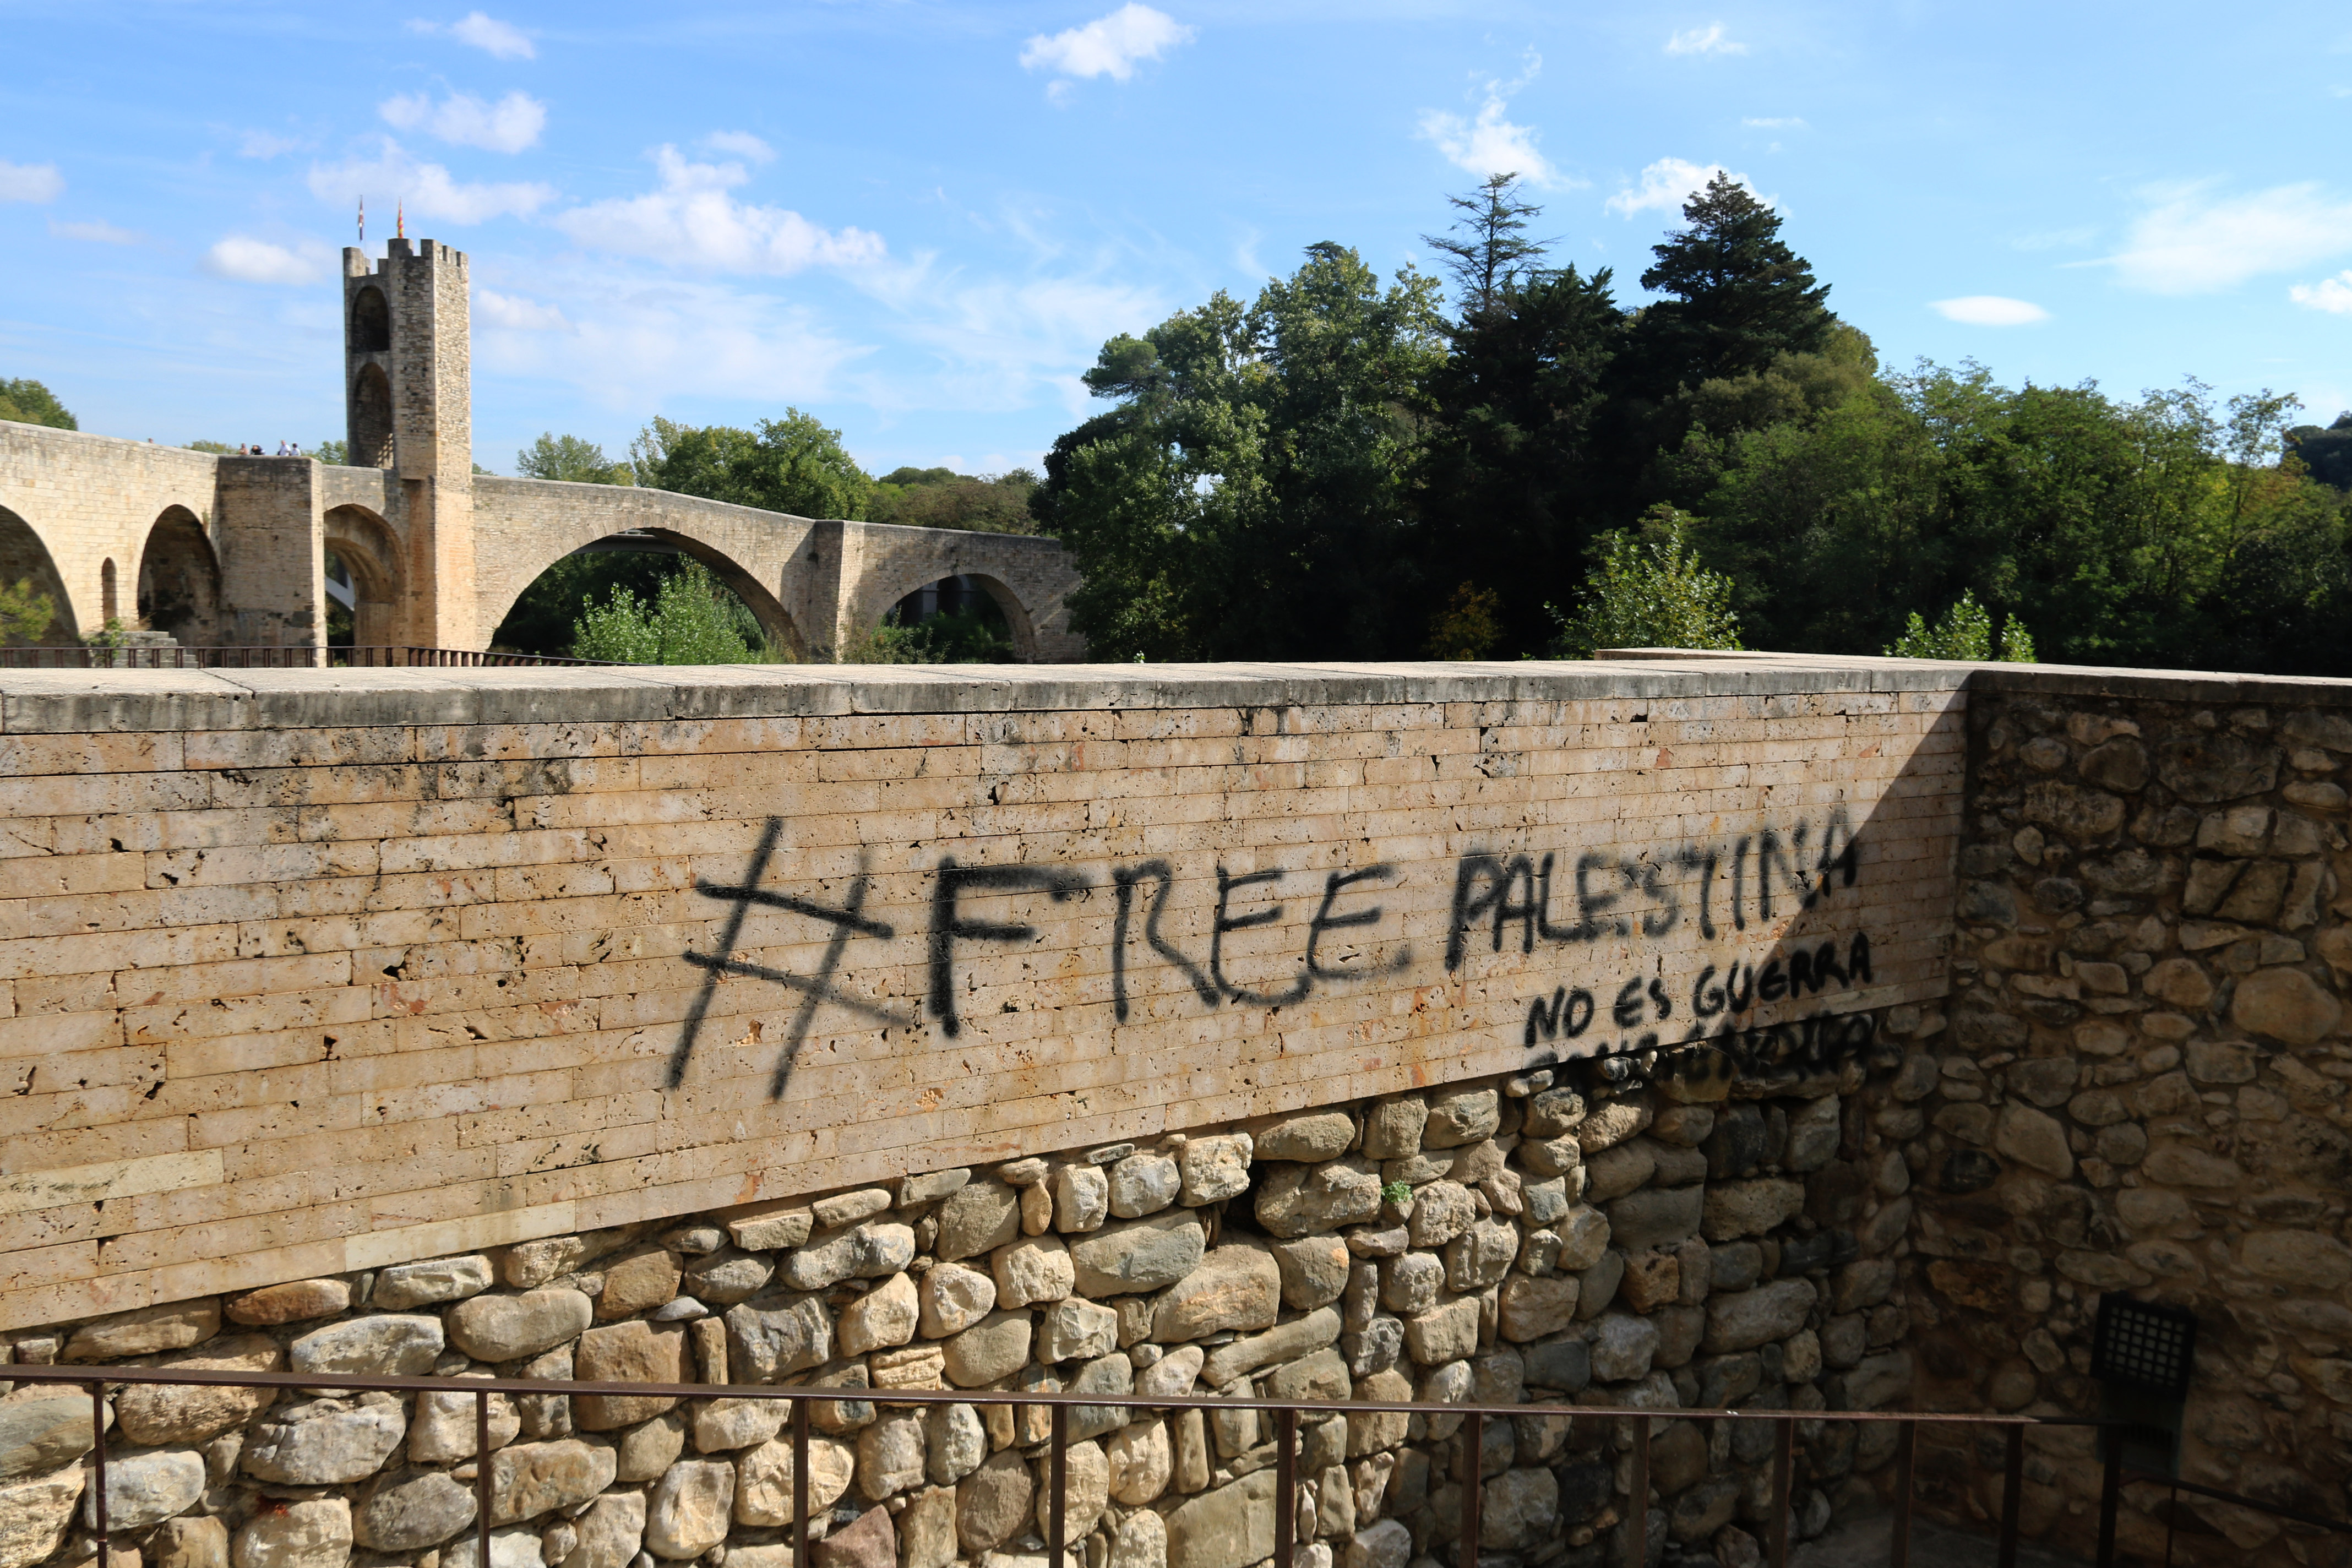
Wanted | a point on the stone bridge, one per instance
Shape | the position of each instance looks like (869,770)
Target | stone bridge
(232,549)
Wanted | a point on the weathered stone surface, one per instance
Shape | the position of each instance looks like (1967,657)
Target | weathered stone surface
(992,1503)
(1304,1200)
(864,1251)
(1307,1136)
(1387,1544)
(150,1330)
(411,1511)
(1622,1347)
(391,1346)
(326,1442)
(1077,1330)
(1612,1122)
(1521,1509)
(1141,1459)
(40,1434)
(143,1490)
(848,1208)
(1087,1475)
(765,1342)
(1035,1270)
(508,1328)
(1143,1255)
(723,1277)
(926,1534)
(954,1443)
(2033,1138)
(1531,1309)
(1322,1374)
(528,1480)
(763,1492)
(1143,1185)
(1173,1375)
(1440,1211)
(995,1347)
(193,1540)
(407,1285)
(1285,1342)
(1445,1333)
(1081,1198)
(638,1282)
(1313,1270)
(1481,1256)
(1879,1381)
(1460,1115)
(1213,1168)
(884,1316)
(610,1533)
(313,1533)
(723,1426)
(1585,1234)
(953,1297)
(890,1455)
(869,1540)
(1613,1172)
(977,1218)
(1231,1527)
(2285,1005)
(516,1546)
(1235,1287)
(2209,767)
(1734,1209)
(293,1302)
(629,1352)
(688,1510)
(1141,1542)
(772,1228)
(1742,1320)
(1393,1127)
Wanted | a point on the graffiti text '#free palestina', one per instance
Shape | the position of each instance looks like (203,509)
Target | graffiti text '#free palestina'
(1740,880)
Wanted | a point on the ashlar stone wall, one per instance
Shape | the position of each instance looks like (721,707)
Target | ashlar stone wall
(1554,1236)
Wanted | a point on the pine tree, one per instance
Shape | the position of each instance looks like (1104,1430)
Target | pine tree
(1741,296)
(1488,250)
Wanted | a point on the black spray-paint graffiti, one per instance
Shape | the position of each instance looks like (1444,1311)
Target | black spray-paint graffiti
(1517,889)
(1791,870)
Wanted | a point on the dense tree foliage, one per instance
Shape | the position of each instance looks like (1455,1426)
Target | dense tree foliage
(942,498)
(1343,470)
(691,619)
(30,402)
(791,465)
(554,457)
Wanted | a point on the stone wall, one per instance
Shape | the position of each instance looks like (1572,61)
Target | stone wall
(2142,1088)
(1555,1236)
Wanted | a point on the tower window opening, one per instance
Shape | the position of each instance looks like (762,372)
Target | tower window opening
(370,322)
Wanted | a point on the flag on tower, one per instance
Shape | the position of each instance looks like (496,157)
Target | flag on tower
(362,223)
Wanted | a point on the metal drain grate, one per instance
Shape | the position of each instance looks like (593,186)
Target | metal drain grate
(2143,1346)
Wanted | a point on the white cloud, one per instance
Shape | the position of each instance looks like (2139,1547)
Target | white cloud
(501,40)
(509,125)
(243,259)
(262,144)
(1666,185)
(518,314)
(1109,45)
(2191,243)
(1783,122)
(1990,310)
(742,144)
(1706,41)
(96,233)
(692,221)
(30,181)
(2333,294)
(1492,144)
(394,178)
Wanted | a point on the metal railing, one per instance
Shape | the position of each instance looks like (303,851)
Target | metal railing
(1286,1414)
(372,656)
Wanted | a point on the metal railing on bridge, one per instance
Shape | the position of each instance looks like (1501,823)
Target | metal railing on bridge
(1634,1440)
(140,655)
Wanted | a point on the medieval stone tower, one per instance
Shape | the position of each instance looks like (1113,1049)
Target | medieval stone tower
(407,383)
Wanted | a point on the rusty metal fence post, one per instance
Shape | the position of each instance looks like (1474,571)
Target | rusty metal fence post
(1637,1522)
(2012,1488)
(800,1483)
(482,1477)
(1906,1452)
(1784,1436)
(1285,1489)
(97,1428)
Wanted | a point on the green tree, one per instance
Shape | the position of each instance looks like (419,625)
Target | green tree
(1737,297)
(335,454)
(554,457)
(1248,496)
(30,402)
(26,614)
(791,465)
(1488,250)
(690,621)
(1651,593)
(1964,633)
(942,498)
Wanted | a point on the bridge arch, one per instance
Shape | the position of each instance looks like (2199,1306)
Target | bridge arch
(25,559)
(179,582)
(371,557)
(1017,619)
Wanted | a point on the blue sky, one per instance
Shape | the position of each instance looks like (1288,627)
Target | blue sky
(919,221)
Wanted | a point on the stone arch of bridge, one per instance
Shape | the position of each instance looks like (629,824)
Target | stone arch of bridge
(179,584)
(371,557)
(24,558)
(874,604)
